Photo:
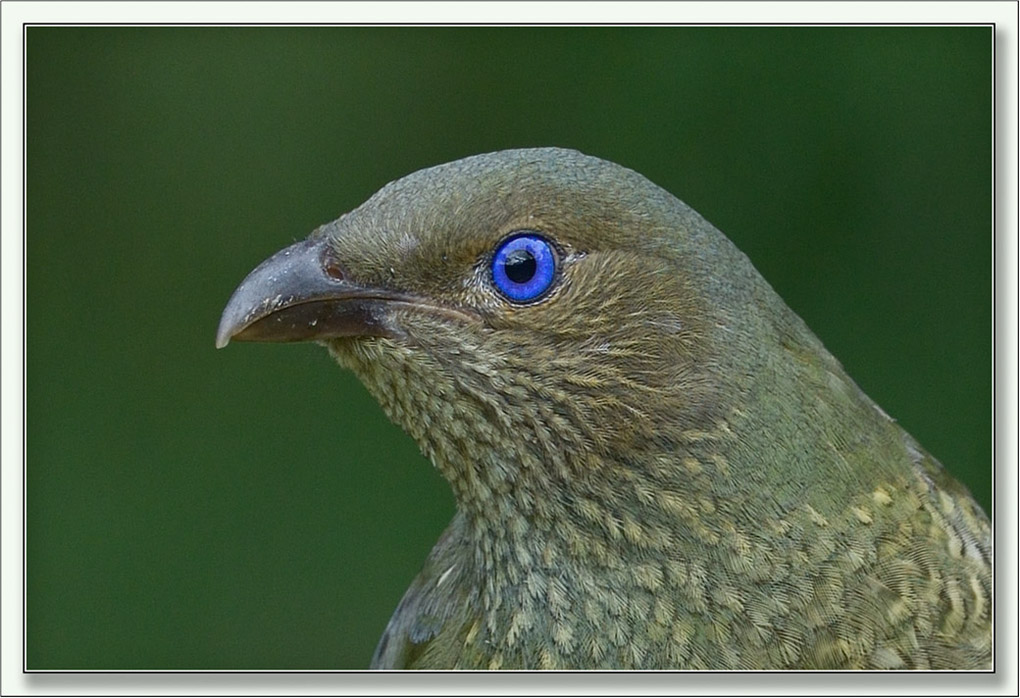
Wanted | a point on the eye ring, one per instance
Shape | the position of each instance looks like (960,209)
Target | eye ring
(524,267)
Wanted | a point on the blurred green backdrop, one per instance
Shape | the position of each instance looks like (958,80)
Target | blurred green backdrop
(252,507)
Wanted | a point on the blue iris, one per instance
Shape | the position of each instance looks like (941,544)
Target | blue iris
(524,267)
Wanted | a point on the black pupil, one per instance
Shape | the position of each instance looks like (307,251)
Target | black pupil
(520,266)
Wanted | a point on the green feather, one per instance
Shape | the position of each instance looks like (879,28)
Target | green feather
(657,465)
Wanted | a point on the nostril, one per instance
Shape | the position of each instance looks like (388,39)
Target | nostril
(331,265)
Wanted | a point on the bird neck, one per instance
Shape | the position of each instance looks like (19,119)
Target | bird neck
(532,480)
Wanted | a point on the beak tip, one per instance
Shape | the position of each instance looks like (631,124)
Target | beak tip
(224,332)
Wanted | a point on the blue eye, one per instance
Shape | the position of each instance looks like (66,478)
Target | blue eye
(524,267)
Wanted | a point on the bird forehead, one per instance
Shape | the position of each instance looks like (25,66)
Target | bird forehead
(471,204)
(434,229)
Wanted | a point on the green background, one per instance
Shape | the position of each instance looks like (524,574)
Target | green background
(252,507)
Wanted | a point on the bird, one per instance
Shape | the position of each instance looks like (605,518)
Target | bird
(656,464)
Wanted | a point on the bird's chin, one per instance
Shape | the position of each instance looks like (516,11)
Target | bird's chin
(345,346)
(356,352)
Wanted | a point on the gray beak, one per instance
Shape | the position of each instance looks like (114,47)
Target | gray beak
(299,294)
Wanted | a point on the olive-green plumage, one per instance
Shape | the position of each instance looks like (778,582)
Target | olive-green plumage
(656,464)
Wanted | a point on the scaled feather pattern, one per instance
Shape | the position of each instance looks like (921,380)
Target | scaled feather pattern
(656,464)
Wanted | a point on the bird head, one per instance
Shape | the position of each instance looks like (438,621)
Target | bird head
(551,328)
(655,462)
